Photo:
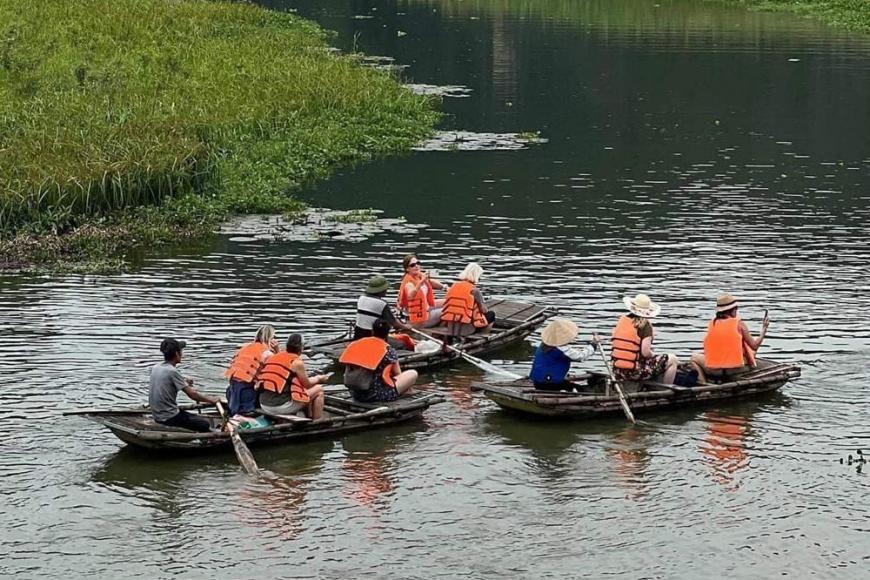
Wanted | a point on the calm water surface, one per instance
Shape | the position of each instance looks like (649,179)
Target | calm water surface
(692,149)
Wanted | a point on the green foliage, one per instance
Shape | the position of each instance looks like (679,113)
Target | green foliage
(107,105)
(848,14)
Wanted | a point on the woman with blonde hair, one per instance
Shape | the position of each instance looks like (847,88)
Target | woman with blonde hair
(244,367)
(464,311)
(631,345)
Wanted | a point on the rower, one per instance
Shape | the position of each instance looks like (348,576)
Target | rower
(551,364)
(165,382)
(371,307)
(372,372)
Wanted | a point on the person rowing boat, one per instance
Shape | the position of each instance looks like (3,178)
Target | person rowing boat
(165,382)
(552,363)
(371,307)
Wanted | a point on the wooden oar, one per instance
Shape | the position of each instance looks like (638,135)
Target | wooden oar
(244,455)
(482,364)
(622,401)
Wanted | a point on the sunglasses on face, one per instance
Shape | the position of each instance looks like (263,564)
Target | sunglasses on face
(412,264)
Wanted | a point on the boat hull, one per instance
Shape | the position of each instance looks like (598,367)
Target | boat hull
(137,429)
(592,401)
(514,322)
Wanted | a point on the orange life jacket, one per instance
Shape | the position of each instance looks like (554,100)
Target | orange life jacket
(417,307)
(625,344)
(274,374)
(724,347)
(368,353)
(406,340)
(460,307)
(247,362)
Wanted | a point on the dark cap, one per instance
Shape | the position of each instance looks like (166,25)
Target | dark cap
(170,346)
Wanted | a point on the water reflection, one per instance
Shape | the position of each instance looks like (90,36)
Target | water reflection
(277,502)
(688,154)
(369,468)
(725,446)
(630,460)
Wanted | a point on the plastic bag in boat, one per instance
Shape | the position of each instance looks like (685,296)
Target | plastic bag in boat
(427,346)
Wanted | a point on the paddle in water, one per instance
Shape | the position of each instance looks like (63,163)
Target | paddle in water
(244,455)
(481,364)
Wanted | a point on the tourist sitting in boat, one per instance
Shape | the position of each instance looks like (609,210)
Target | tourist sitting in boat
(464,311)
(165,382)
(729,347)
(631,345)
(552,363)
(284,385)
(243,370)
(372,307)
(417,294)
(371,368)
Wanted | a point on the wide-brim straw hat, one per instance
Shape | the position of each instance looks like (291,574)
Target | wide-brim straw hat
(559,332)
(377,284)
(642,306)
(725,302)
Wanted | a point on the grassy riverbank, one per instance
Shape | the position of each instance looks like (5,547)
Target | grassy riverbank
(847,14)
(132,122)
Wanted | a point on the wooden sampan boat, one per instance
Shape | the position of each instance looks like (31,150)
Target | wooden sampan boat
(514,321)
(341,415)
(593,396)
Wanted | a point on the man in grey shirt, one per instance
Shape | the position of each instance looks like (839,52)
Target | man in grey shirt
(166,381)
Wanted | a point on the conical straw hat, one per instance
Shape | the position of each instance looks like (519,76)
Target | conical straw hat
(559,332)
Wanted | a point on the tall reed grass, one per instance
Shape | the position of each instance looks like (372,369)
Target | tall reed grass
(112,104)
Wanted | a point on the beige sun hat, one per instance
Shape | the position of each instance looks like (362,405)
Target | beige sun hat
(725,302)
(642,306)
(559,332)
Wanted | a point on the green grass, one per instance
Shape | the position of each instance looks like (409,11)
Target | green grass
(193,109)
(630,14)
(846,14)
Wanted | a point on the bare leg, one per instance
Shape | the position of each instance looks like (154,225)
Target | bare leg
(697,362)
(315,404)
(405,381)
(671,370)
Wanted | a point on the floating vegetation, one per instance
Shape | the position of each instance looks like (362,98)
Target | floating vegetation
(859,460)
(469,141)
(386,63)
(452,91)
(354,216)
(314,224)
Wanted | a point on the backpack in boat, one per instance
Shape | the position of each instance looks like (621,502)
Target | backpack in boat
(357,378)
(687,378)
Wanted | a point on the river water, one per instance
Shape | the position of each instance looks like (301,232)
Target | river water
(692,149)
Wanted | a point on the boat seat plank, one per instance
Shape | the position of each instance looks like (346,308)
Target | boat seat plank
(285,418)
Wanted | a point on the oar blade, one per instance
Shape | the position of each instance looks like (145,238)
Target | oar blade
(246,458)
